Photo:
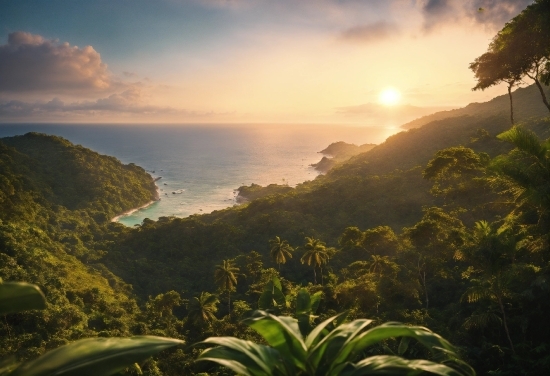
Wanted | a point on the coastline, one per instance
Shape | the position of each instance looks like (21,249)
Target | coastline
(131,211)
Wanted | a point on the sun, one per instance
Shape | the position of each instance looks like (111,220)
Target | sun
(389,96)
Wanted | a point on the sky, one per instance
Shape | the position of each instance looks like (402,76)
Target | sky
(242,61)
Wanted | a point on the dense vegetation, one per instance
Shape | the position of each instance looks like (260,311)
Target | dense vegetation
(407,245)
(444,226)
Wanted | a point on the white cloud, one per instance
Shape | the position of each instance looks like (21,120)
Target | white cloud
(30,63)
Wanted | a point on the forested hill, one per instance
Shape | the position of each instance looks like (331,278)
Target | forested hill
(527,104)
(444,226)
(382,187)
(60,173)
(56,201)
(403,232)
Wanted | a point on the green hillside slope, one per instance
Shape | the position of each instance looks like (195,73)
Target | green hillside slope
(55,198)
(527,104)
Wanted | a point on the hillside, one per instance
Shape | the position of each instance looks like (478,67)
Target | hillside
(527,104)
(337,153)
(397,246)
(55,198)
(382,187)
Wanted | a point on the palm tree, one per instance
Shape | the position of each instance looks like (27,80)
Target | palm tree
(526,168)
(202,309)
(280,250)
(316,255)
(492,258)
(226,279)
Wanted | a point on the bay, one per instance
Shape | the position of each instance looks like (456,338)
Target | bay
(201,166)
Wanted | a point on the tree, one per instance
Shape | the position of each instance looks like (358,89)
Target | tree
(331,348)
(525,173)
(521,48)
(202,309)
(226,279)
(431,244)
(492,68)
(316,255)
(491,258)
(280,251)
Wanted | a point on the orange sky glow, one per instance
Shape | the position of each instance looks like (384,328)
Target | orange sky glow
(249,62)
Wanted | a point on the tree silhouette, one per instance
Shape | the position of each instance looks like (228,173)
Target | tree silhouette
(316,255)
(280,251)
(521,48)
(493,68)
(226,279)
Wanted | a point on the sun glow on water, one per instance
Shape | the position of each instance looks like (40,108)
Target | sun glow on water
(389,96)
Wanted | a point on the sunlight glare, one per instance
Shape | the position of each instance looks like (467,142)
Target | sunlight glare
(389,96)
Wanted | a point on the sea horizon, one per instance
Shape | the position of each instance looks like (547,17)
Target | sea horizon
(199,168)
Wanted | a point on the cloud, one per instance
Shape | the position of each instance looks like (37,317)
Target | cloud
(129,74)
(370,33)
(491,13)
(30,63)
(128,102)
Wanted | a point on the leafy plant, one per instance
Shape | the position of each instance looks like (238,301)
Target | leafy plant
(330,352)
(272,296)
(95,356)
(90,356)
(19,296)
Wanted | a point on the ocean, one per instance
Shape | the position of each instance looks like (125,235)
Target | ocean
(201,166)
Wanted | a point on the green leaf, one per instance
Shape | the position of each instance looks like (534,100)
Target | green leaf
(315,300)
(7,365)
(95,356)
(403,345)
(303,302)
(20,296)
(525,140)
(392,329)
(395,366)
(277,283)
(315,336)
(244,357)
(282,333)
(335,348)
(271,297)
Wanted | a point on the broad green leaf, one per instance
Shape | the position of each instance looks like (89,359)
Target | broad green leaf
(403,345)
(303,302)
(315,336)
(7,365)
(271,297)
(278,297)
(392,330)
(277,283)
(20,296)
(330,349)
(95,356)
(315,300)
(266,300)
(256,359)
(282,333)
(395,366)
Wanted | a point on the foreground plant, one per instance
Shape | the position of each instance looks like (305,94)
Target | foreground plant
(90,356)
(340,351)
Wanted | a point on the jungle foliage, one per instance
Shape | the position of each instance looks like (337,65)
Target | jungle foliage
(445,227)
